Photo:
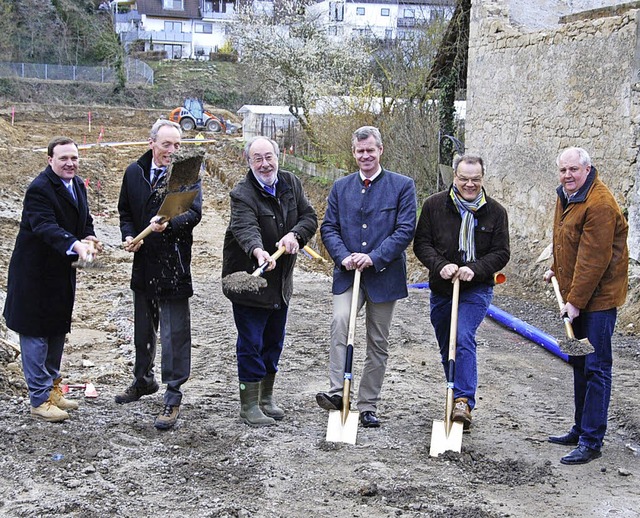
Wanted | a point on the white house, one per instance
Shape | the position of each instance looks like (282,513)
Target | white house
(380,19)
(194,28)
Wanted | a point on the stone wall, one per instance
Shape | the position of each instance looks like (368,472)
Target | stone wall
(532,93)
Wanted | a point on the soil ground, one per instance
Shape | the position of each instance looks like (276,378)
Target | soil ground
(108,459)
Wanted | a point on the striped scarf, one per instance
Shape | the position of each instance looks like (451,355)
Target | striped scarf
(466,240)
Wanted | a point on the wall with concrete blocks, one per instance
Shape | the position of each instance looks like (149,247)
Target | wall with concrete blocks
(533,92)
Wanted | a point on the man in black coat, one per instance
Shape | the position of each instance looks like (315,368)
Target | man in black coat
(55,230)
(161,276)
(268,210)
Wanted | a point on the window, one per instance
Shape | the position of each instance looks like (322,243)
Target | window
(359,11)
(384,12)
(336,11)
(409,13)
(173,51)
(332,30)
(215,6)
(388,34)
(203,28)
(175,5)
(173,26)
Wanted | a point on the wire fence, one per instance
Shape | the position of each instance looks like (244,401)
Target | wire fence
(136,72)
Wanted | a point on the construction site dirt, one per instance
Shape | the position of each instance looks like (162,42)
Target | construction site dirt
(109,460)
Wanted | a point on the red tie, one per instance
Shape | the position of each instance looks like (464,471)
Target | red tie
(367,183)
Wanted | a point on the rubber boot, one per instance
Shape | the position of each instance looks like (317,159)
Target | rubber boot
(249,407)
(267,403)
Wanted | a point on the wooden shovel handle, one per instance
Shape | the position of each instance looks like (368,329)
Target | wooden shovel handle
(146,231)
(354,307)
(260,269)
(453,329)
(567,323)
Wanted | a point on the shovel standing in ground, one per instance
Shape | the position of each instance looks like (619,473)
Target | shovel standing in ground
(447,435)
(343,424)
(572,346)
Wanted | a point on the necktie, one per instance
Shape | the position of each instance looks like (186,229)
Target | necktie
(72,191)
(367,183)
(271,189)
(156,174)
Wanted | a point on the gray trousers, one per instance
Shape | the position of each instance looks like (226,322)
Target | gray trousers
(378,323)
(174,319)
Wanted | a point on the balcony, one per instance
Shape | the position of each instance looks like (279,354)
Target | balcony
(156,36)
(214,15)
(407,22)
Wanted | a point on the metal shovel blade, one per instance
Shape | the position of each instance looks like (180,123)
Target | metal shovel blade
(441,441)
(337,432)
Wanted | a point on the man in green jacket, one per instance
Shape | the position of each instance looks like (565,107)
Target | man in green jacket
(268,210)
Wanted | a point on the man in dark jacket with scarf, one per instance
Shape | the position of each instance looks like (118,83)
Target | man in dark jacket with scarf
(590,262)
(56,229)
(268,210)
(161,277)
(464,234)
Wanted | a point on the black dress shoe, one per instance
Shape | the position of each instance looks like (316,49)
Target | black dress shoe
(369,420)
(329,402)
(566,440)
(581,455)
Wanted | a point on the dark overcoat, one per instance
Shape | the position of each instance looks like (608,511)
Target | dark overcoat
(42,283)
(162,266)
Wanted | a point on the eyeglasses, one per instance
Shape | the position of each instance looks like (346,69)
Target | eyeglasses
(257,159)
(475,181)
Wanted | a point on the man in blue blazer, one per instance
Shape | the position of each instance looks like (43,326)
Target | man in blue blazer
(369,222)
(55,230)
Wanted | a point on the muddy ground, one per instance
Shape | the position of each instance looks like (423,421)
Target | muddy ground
(109,459)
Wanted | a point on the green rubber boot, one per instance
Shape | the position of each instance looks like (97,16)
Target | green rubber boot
(249,407)
(267,403)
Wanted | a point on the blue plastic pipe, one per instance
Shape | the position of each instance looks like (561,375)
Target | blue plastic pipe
(519,326)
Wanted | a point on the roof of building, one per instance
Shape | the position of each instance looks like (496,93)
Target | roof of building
(155,8)
(264,109)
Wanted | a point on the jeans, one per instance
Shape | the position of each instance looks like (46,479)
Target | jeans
(260,340)
(41,358)
(472,308)
(592,377)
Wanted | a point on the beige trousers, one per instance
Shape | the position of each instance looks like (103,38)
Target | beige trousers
(378,322)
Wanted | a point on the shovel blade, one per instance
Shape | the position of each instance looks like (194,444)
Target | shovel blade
(441,441)
(338,432)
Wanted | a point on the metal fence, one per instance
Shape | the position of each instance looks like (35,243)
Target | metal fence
(136,72)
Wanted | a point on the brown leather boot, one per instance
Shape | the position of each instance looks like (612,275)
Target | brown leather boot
(57,398)
(49,412)
(461,412)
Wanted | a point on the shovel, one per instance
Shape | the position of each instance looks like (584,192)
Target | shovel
(174,204)
(343,424)
(447,435)
(572,346)
(243,282)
